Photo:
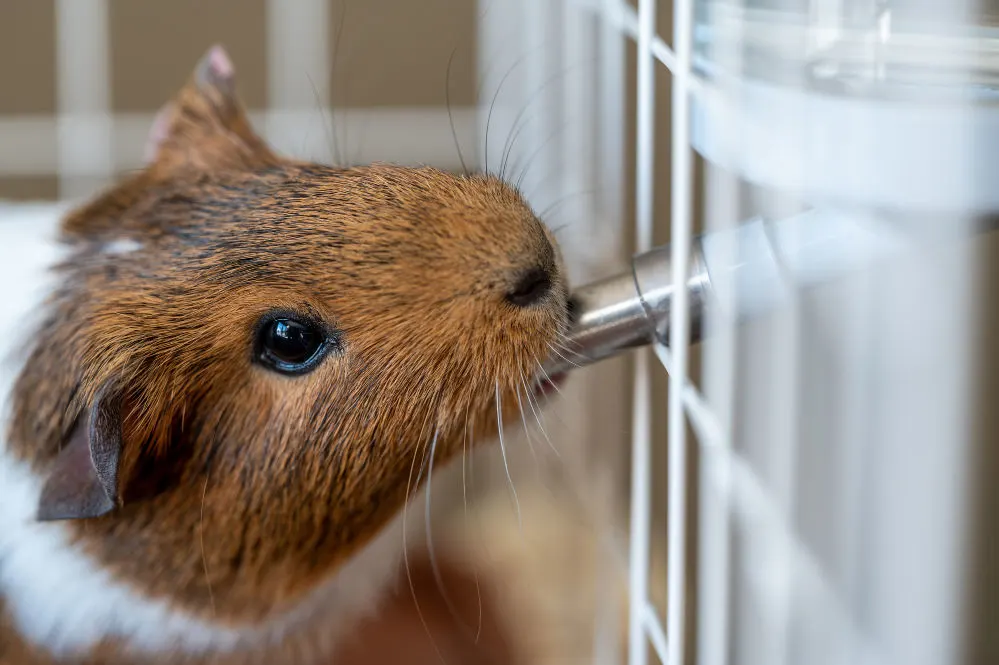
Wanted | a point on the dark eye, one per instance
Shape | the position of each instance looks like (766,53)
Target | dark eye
(291,346)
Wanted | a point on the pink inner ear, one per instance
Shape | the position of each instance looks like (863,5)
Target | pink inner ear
(216,69)
(157,133)
(220,63)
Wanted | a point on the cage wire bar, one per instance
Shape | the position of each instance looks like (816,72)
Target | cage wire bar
(819,439)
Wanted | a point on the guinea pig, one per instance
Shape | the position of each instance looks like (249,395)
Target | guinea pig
(236,382)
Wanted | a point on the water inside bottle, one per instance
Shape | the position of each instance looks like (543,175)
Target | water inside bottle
(937,50)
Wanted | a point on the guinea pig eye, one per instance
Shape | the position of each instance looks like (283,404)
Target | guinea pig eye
(291,346)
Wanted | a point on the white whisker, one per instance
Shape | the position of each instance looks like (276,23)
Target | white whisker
(548,378)
(405,547)
(564,339)
(558,353)
(471,470)
(523,419)
(537,417)
(506,463)
(566,349)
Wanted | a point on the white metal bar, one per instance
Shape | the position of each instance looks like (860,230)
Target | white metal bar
(624,17)
(83,100)
(641,472)
(654,627)
(641,510)
(680,240)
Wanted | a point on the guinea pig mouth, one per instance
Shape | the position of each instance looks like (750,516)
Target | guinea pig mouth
(545,384)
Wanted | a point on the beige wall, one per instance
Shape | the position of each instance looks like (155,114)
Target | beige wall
(392,54)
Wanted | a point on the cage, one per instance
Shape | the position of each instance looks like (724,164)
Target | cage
(828,459)
(814,470)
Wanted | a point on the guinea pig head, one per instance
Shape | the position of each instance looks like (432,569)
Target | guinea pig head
(250,361)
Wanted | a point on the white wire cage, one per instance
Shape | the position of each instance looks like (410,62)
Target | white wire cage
(832,515)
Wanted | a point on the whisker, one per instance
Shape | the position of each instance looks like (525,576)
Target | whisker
(535,96)
(530,161)
(426,518)
(470,443)
(506,464)
(559,354)
(548,378)
(563,339)
(405,547)
(566,349)
(508,146)
(450,114)
(492,106)
(431,551)
(523,419)
(331,138)
(492,63)
(336,59)
(563,200)
(537,417)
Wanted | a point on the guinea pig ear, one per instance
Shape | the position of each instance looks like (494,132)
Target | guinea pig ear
(205,127)
(83,481)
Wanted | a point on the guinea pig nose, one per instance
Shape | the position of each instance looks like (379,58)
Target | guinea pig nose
(531,287)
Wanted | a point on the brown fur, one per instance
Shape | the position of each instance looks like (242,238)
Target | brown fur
(280,478)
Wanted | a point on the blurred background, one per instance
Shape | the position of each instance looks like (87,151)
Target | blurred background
(860,415)
(82,80)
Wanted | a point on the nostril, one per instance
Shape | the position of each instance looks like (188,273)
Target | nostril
(531,287)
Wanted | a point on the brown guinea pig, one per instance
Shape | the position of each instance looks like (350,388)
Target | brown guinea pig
(237,381)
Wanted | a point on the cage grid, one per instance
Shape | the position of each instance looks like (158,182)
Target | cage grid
(644,622)
(829,593)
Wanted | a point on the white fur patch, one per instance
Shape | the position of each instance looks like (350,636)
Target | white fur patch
(121,246)
(65,602)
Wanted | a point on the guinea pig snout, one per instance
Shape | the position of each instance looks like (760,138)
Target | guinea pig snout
(530,286)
